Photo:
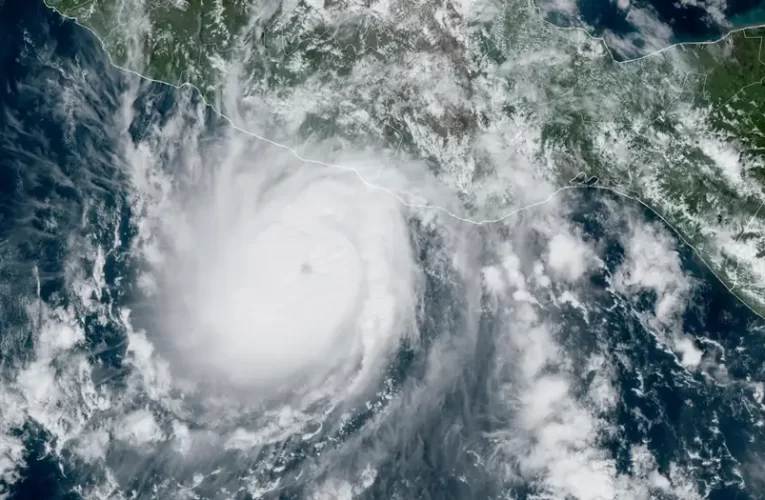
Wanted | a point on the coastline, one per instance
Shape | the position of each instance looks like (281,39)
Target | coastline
(731,287)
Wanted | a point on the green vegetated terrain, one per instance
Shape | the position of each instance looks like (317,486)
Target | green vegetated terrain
(682,130)
(181,41)
(735,88)
(730,92)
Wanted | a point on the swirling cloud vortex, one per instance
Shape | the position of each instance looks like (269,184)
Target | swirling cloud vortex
(292,275)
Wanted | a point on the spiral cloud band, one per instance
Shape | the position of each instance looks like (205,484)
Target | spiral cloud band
(290,275)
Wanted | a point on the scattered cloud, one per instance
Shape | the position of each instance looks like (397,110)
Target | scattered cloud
(568,256)
(652,263)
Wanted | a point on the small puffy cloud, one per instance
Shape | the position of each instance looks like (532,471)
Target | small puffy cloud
(652,263)
(690,355)
(139,428)
(651,34)
(568,256)
(493,280)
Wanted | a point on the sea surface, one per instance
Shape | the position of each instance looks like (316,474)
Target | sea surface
(58,179)
(688,21)
(51,169)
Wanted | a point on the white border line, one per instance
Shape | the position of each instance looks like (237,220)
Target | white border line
(479,222)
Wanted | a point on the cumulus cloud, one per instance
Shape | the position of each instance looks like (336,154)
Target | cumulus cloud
(715,10)
(652,263)
(569,257)
(139,428)
(690,355)
(651,34)
(557,427)
(569,8)
(553,437)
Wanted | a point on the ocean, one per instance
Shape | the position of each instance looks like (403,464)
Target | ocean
(62,180)
(686,21)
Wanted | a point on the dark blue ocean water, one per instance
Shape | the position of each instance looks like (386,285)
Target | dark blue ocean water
(56,168)
(689,22)
(48,194)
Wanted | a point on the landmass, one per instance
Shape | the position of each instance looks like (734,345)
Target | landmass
(493,98)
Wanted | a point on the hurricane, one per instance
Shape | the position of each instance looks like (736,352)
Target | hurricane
(284,276)
(283,293)
(376,250)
